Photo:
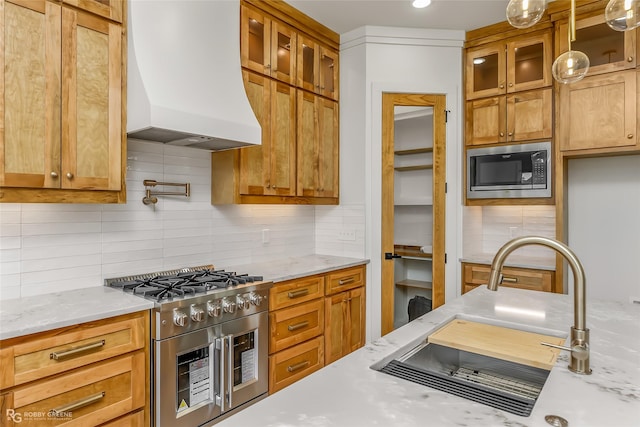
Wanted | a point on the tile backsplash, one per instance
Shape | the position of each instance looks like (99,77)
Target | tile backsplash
(50,247)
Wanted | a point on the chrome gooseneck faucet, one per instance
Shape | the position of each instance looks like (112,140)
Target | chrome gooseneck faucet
(579,333)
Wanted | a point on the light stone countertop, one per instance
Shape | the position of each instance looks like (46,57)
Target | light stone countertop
(295,267)
(28,315)
(348,393)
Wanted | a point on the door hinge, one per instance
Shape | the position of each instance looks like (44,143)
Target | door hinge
(446,116)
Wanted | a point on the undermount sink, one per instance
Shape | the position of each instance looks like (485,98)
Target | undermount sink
(494,381)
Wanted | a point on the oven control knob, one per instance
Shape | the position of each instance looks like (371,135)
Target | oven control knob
(228,306)
(255,299)
(242,302)
(197,314)
(214,309)
(179,318)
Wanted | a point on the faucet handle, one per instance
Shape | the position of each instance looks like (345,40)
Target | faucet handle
(578,351)
(561,347)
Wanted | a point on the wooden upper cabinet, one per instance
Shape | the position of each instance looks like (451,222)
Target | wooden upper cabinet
(269,169)
(91,109)
(30,143)
(317,68)
(521,116)
(62,100)
(111,9)
(608,50)
(267,45)
(317,155)
(599,112)
(507,66)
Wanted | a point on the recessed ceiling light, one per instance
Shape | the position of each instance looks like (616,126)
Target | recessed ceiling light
(419,4)
(478,61)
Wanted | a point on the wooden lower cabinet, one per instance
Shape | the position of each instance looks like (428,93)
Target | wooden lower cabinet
(344,324)
(88,374)
(308,329)
(474,275)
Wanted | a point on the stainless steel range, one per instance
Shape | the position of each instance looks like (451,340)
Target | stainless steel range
(209,342)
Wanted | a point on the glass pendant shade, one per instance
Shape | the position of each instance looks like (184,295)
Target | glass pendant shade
(570,67)
(525,13)
(623,15)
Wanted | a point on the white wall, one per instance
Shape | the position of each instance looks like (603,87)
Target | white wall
(374,60)
(50,247)
(604,225)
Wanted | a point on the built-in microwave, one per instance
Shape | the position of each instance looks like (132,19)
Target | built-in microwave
(509,171)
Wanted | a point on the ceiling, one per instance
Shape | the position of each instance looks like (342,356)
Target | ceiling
(345,15)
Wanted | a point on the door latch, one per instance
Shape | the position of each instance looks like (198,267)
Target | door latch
(389,255)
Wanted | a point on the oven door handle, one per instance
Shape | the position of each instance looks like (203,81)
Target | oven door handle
(219,398)
(230,371)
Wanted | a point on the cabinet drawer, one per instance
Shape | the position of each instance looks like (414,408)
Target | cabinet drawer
(132,420)
(292,292)
(30,358)
(288,366)
(344,279)
(522,278)
(294,325)
(88,396)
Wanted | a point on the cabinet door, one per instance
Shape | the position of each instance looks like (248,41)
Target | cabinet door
(337,331)
(608,50)
(317,146)
(283,52)
(30,83)
(91,108)
(308,63)
(529,62)
(111,9)
(329,73)
(282,178)
(357,318)
(486,121)
(486,71)
(529,115)
(599,112)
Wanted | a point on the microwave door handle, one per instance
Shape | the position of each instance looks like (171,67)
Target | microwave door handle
(219,398)
(230,370)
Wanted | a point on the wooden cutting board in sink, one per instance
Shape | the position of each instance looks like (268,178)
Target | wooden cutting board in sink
(500,342)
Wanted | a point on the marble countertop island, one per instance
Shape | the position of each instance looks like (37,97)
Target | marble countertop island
(348,393)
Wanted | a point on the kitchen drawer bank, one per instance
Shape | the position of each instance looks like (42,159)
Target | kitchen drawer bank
(87,374)
(314,321)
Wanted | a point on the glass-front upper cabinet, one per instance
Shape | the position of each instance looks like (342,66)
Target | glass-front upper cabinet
(520,63)
(267,46)
(608,50)
(317,68)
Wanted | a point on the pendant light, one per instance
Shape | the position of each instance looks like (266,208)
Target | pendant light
(623,15)
(525,13)
(572,65)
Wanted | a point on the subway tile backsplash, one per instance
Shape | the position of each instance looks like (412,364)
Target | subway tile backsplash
(51,247)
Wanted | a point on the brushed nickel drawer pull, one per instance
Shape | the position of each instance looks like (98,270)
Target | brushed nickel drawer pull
(60,410)
(509,279)
(298,366)
(298,293)
(345,281)
(74,351)
(297,326)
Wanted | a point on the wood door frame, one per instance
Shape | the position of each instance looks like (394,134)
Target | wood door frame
(438,102)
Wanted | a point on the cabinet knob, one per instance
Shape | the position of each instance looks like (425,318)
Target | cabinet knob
(274,187)
(69,175)
(317,86)
(501,133)
(268,185)
(268,66)
(54,174)
(510,84)
(501,86)
(630,59)
(510,133)
(630,136)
